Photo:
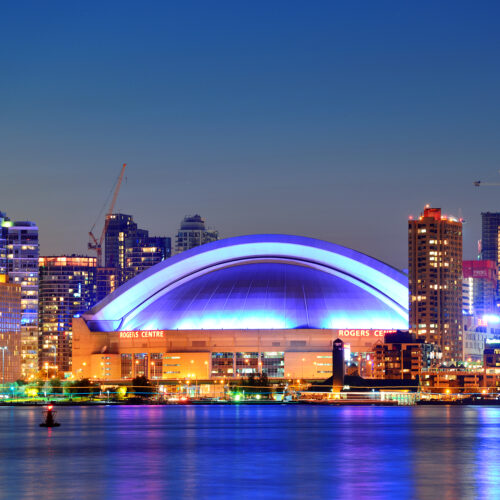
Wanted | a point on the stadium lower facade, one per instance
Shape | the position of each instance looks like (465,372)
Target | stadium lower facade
(250,304)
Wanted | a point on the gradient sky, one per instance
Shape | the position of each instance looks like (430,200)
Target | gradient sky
(325,119)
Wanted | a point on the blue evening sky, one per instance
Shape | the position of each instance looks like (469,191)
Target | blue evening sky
(329,119)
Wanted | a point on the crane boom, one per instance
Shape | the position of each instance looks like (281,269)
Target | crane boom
(97,244)
(480,183)
(112,206)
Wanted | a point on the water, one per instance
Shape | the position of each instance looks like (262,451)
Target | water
(177,452)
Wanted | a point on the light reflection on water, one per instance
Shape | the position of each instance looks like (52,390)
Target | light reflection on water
(251,451)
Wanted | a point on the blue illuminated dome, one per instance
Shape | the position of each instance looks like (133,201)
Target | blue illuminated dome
(259,282)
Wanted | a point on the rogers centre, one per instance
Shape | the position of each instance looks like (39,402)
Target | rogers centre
(249,304)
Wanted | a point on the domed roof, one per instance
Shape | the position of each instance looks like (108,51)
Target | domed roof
(259,282)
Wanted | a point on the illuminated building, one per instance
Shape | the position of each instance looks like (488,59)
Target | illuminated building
(3,244)
(489,236)
(492,357)
(143,251)
(435,280)
(193,233)
(403,356)
(67,288)
(477,331)
(262,303)
(106,282)
(120,227)
(131,250)
(10,329)
(20,262)
(479,287)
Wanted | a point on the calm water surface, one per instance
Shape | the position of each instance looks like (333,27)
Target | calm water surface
(251,451)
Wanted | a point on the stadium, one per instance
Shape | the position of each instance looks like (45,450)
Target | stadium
(249,304)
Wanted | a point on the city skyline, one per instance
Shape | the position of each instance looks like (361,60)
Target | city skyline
(336,122)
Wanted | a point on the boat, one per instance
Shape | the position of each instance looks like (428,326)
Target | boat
(49,418)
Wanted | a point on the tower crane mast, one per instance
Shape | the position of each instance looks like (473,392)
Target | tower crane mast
(94,243)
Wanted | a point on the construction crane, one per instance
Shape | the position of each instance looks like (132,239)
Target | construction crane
(481,183)
(94,243)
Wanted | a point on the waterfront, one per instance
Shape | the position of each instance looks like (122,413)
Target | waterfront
(244,451)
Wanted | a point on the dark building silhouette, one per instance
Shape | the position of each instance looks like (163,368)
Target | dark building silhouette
(338,365)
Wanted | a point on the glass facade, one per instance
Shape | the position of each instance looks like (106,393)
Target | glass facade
(141,365)
(247,363)
(222,364)
(126,366)
(273,364)
(156,365)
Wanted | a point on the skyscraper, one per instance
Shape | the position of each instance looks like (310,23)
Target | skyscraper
(10,329)
(435,280)
(193,233)
(489,236)
(143,251)
(20,261)
(120,227)
(479,283)
(67,288)
(130,250)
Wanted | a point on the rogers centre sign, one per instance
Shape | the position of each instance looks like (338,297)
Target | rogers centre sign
(363,333)
(146,334)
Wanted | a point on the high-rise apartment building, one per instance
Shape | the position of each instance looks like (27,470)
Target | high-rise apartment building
(3,243)
(130,250)
(143,251)
(67,289)
(479,287)
(106,281)
(489,235)
(10,329)
(193,233)
(19,260)
(435,280)
(120,227)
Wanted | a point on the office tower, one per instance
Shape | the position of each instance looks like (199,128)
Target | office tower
(67,289)
(21,249)
(193,233)
(479,286)
(435,280)
(130,250)
(143,251)
(10,329)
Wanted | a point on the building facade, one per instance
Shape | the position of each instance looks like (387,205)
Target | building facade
(435,280)
(10,329)
(143,251)
(19,250)
(130,250)
(479,287)
(67,289)
(193,233)
(120,227)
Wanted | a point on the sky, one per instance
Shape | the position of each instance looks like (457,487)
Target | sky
(335,120)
